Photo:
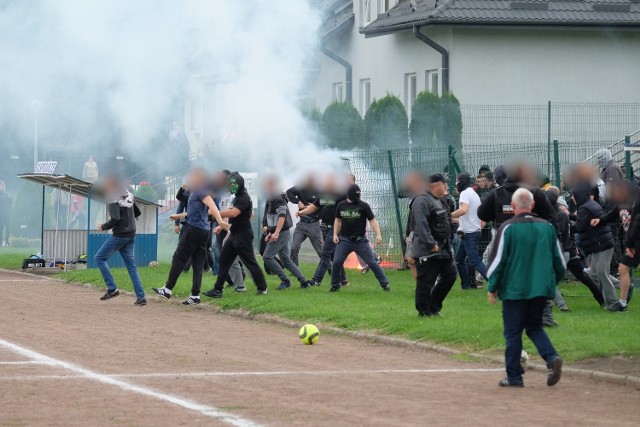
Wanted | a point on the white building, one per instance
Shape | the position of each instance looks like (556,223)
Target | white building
(520,52)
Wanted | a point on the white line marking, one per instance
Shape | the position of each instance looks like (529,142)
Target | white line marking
(261,373)
(209,411)
(25,362)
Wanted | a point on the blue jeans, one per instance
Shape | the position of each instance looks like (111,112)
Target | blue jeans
(364,251)
(524,315)
(470,248)
(126,247)
(326,257)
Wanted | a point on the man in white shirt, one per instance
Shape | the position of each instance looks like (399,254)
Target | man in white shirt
(469,230)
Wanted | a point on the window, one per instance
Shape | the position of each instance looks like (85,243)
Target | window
(384,5)
(338,92)
(365,95)
(431,82)
(365,12)
(410,90)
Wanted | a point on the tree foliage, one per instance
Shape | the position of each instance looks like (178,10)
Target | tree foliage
(342,126)
(386,124)
(436,121)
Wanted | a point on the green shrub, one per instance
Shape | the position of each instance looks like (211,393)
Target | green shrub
(451,133)
(386,124)
(425,120)
(146,192)
(342,126)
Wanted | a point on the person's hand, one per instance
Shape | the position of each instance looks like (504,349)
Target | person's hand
(275,236)
(298,214)
(435,249)
(99,227)
(336,239)
(265,229)
(267,238)
(174,217)
(595,222)
(492,297)
(483,224)
(217,230)
(378,240)
(225,226)
(184,186)
(177,229)
(631,252)
(301,205)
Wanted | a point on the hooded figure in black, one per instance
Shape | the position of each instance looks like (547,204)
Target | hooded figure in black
(568,242)
(240,241)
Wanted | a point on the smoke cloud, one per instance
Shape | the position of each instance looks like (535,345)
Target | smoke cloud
(110,77)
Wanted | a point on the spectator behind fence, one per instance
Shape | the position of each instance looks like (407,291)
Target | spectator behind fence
(609,168)
(525,268)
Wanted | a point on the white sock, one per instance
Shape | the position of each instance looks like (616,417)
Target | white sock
(195,296)
(623,302)
(167,290)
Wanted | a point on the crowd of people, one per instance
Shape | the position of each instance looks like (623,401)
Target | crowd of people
(509,228)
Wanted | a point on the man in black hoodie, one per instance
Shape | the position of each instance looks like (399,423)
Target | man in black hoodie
(596,240)
(123,212)
(240,240)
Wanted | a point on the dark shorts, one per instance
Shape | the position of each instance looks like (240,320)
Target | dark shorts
(631,262)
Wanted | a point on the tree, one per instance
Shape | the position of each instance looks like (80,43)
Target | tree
(425,120)
(146,192)
(451,132)
(386,124)
(342,126)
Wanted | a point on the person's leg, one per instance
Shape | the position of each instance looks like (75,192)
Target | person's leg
(228,254)
(472,247)
(342,251)
(446,280)
(186,247)
(364,251)
(215,250)
(489,248)
(110,247)
(127,252)
(315,236)
(461,264)
(199,257)
(625,280)
(600,264)
(298,238)
(235,274)
(535,331)
(269,257)
(426,276)
(328,247)
(514,314)
(284,254)
(575,267)
(183,229)
(244,247)
(560,302)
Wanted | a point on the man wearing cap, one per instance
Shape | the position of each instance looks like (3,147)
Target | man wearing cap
(432,248)
(350,235)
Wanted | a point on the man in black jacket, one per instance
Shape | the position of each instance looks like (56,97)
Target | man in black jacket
(626,197)
(596,240)
(276,222)
(309,225)
(123,212)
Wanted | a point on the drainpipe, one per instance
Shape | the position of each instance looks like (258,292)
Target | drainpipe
(443,52)
(348,72)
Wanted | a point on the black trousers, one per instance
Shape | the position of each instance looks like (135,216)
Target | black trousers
(191,246)
(239,245)
(435,278)
(575,267)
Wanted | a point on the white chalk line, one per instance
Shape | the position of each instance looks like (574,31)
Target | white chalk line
(24,362)
(262,373)
(206,410)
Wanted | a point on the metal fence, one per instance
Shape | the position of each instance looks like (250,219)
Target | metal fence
(553,136)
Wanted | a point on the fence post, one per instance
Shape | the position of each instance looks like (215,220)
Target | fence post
(627,159)
(548,138)
(396,202)
(556,162)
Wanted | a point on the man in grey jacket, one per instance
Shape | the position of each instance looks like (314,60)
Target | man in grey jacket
(432,248)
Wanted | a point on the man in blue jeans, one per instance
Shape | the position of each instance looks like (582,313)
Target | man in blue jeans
(469,230)
(525,266)
(123,212)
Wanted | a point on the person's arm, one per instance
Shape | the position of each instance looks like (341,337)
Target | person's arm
(559,264)
(543,207)
(213,211)
(276,233)
(634,228)
(337,226)
(180,196)
(420,214)
(230,213)
(486,210)
(583,222)
(462,210)
(376,229)
(114,217)
(612,216)
(293,194)
(498,261)
(309,210)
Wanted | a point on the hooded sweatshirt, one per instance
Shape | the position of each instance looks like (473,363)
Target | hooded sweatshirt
(123,212)
(242,202)
(592,239)
(609,169)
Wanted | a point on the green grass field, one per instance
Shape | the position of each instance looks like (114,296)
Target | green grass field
(471,323)
(11,258)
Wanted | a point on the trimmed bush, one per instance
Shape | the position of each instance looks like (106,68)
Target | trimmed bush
(425,120)
(451,133)
(386,124)
(146,192)
(342,126)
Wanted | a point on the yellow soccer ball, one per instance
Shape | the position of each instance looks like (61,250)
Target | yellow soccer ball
(309,334)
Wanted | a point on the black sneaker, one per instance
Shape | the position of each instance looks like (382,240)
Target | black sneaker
(306,284)
(140,301)
(283,286)
(240,290)
(335,289)
(213,293)
(555,372)
(617,308)
(162,292)
(365,269)
(344,283)
(261,292)
(506,383)
(550,323)
(110,294)
(386,288)
(191,301)
(314,282)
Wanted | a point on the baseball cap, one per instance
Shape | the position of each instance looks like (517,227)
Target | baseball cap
(437,177)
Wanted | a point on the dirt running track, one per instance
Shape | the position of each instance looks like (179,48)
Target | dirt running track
(68,359)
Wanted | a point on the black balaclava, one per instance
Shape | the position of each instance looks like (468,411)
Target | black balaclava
(463,182)
(353,193)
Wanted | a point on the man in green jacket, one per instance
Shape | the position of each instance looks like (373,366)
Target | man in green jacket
(525,266)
